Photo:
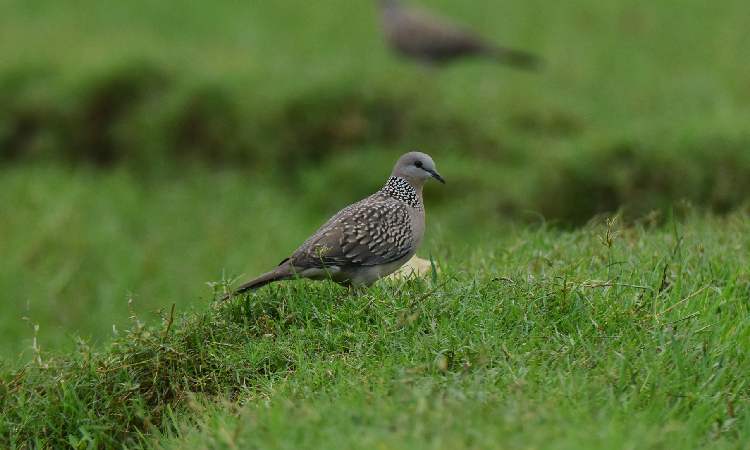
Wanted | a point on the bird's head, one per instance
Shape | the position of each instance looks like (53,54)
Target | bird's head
(416,168)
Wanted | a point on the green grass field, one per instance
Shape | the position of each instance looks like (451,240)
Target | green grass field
(147,148)
(638,104)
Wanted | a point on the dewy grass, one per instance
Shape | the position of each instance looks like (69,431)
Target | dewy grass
(552,341)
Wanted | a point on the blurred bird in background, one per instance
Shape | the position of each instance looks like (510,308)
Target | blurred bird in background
(432,40)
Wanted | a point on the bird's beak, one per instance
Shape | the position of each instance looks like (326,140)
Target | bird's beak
(437,176)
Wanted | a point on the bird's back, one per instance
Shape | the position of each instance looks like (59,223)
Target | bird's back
(422,35)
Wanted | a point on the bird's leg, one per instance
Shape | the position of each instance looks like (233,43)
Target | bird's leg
(356,291)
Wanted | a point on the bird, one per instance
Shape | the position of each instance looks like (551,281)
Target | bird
(367,240)
(432,40)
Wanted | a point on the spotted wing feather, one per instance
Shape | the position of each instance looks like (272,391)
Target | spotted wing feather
(376,230)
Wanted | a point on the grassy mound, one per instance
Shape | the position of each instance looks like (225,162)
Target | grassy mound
(611,335)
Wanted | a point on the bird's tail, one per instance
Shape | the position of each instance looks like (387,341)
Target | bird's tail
(283,272)
(517,58)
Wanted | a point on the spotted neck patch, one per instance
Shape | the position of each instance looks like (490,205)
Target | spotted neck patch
(400,189)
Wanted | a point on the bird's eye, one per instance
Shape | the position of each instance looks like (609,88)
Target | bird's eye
(418,164)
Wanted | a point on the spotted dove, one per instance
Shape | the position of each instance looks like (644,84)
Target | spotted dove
(368,240)
(422,36)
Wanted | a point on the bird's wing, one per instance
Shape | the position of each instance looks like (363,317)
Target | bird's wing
(377,230)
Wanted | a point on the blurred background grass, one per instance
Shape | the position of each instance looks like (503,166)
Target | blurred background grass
(146,147)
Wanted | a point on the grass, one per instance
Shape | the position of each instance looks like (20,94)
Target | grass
(638,105)
(147,148)
(612,336)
